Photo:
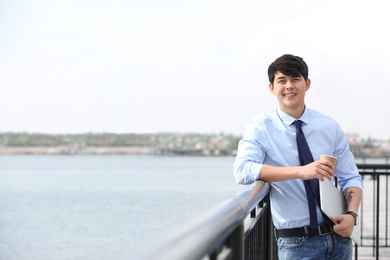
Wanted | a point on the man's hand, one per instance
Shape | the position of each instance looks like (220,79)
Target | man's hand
(318,169)
(345,225)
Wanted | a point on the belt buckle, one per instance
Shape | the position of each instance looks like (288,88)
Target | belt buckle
(321,233)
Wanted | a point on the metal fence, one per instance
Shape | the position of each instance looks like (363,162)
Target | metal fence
(219,234)
(241,228)
(374,212)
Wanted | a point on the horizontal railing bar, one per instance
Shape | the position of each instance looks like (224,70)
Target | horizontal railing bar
(200,237)
(373,167)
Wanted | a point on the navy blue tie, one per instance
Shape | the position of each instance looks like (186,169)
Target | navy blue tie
(311,186)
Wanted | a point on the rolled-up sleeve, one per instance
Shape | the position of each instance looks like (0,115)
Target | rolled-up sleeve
(346,169)
(250,157)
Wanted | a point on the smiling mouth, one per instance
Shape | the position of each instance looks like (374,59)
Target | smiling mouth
(289,94)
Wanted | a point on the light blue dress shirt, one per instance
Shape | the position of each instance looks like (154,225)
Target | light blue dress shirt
(270,139)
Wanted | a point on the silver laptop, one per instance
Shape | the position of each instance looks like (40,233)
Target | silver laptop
(333,204)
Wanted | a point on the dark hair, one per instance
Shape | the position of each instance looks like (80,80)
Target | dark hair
(289,65)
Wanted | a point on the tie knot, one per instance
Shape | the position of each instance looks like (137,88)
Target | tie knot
(298,124)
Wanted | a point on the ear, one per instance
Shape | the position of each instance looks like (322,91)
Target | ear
(308,83)
(271,88)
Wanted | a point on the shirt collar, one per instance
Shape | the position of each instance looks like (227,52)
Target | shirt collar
(290,120)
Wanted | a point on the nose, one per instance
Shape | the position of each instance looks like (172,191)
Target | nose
(289,84)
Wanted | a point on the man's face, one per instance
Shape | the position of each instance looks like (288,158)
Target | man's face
(290,92)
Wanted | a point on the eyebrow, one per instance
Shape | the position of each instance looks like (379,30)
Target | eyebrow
(284,77)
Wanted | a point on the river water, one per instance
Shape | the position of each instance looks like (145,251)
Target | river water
(95,207)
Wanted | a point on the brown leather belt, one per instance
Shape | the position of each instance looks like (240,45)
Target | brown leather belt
(322,229)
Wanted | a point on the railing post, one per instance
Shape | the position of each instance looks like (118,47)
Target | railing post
(377,216)
(237,243)
(272,249)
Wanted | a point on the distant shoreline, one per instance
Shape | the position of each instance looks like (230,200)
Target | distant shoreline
(190,144)
(42,150)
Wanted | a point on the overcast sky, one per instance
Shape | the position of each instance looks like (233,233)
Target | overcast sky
(187,66)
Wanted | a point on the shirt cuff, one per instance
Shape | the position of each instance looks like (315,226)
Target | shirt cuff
(256,171)
(353,183)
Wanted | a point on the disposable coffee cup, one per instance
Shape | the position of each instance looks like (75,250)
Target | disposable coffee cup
(332,159)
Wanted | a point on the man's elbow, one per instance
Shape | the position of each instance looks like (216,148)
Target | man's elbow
(241,177)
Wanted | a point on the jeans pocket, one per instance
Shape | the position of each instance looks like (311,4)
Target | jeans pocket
(290,242)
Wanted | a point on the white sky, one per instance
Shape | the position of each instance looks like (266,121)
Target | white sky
(187,66)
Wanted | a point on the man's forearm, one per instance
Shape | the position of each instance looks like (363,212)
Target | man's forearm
(273,174)
(352,196)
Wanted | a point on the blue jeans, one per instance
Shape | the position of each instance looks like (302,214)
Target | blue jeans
(330,246)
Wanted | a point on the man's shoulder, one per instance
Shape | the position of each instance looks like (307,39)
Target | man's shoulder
(315,115)
(265,116)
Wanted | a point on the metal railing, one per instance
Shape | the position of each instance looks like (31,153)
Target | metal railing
(374,212)
(219,234)
(241,228)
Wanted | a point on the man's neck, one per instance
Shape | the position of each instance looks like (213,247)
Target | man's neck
(294,112)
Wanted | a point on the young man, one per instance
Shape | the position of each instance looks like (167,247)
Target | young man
(269,152)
